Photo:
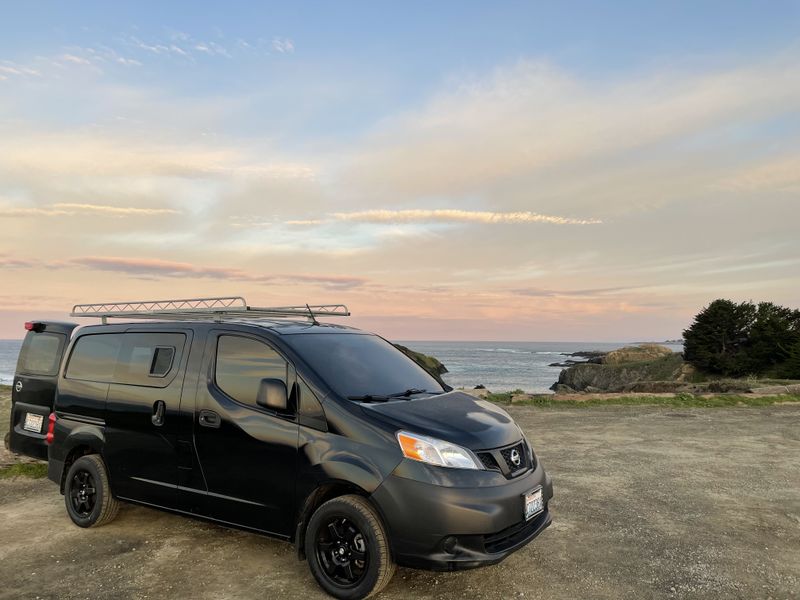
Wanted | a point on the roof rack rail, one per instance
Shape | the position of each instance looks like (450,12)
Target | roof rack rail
(224,308)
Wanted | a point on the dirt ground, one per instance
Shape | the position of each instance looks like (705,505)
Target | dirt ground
(649,503)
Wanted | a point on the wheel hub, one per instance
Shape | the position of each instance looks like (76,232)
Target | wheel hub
(341,550)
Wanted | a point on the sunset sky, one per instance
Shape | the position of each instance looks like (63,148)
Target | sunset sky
(450,170)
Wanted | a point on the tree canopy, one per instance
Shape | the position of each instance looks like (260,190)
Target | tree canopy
(738,339)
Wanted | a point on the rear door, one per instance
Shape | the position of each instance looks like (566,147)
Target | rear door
(247,453)
(34,385)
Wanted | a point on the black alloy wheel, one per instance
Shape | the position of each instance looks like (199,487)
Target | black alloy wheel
(342,552)
(83,493)
(87,493)
(347,548)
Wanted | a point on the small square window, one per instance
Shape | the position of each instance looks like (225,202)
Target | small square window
(162,361)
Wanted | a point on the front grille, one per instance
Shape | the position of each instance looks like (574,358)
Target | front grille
(501,459)
(488,461)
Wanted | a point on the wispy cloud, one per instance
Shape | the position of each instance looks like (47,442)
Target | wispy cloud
(9,69)
(156,268)
(283,45)
(60,209)
(71,58)
(457,216)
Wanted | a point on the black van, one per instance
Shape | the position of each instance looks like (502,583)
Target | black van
(319,434)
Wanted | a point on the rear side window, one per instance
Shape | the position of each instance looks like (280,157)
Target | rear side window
(94,357)
(41,353)
(144,359)
(241,365)
(148,359)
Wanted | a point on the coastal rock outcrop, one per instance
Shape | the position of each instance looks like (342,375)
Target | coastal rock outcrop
(635,368)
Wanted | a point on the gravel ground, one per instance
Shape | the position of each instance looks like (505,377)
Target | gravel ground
(650,503)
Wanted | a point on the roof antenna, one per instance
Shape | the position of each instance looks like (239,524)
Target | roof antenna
(311,314)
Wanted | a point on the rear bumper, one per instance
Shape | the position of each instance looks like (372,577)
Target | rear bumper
(486,520)
(26,442)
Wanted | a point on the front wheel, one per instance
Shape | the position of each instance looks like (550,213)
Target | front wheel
(347,549)
(87,493)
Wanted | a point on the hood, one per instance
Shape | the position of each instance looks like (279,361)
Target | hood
(455,417)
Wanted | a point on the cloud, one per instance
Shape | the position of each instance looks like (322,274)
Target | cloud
(157,268)
(283,45)
(82,154)
(532,134)
(113,210)
(15,263)
(71,58)
(457,216)
(72,209)
(545,293)
(779,175)
(9,69)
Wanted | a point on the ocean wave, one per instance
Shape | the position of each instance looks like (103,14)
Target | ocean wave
(505,350)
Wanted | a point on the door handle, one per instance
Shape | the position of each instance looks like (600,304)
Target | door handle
(208,418)
(159,408)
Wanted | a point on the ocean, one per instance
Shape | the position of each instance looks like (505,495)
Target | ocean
(499,366)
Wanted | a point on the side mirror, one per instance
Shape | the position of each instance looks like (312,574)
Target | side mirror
(272,394)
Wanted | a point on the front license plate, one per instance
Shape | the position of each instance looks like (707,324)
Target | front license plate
(33,422)
(534,503)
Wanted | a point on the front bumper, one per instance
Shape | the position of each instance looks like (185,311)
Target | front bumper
(483,511)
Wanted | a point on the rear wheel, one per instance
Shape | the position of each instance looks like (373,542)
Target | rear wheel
(347,548)
(87,494)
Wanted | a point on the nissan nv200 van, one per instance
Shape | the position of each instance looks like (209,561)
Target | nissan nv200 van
(267,420)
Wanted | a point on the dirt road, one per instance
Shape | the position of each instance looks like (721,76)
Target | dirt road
(650,503)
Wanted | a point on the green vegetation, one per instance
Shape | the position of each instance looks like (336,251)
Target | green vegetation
(32,470)
(429,363)
(744,339)
(503,397)
(677,400)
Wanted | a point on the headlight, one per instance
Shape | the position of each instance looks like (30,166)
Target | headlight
(435,452)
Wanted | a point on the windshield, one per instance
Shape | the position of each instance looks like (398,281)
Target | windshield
(357,365)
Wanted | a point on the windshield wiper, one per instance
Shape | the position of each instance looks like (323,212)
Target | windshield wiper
(411,392)
(386,397)
(370,398)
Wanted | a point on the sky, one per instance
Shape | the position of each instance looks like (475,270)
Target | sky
(450,171)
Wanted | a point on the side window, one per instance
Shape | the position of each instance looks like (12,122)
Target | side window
(309,404)
(41,353)
(147,359)
(241,365)
(94,357)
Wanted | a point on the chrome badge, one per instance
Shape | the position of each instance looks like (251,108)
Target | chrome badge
(18,387)
(515,457)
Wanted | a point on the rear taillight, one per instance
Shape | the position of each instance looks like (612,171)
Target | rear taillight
(51,428)
(34,326)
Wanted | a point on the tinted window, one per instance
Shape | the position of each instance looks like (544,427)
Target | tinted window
(148,358)
(308,402)
(356,365)
(162,361)
(94,357)
(41,353)
(241,365)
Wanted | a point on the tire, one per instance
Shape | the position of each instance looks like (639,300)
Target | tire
(87,494)
(339,532)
